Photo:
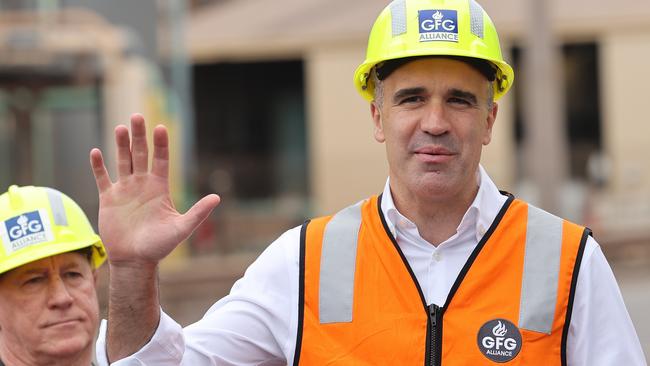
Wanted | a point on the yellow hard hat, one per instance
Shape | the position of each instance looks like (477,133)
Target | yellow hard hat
(415,28)
(39,222)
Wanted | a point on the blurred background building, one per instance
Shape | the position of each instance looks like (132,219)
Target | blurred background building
(259,99)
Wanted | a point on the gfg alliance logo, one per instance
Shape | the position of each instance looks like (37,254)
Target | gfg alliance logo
(499,340)
(26,229)
(438,25)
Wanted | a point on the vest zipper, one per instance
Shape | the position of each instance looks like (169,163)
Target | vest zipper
(433,344)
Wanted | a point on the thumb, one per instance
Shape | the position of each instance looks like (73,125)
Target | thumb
(198,213)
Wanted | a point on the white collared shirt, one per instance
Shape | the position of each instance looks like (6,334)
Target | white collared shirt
(437,267)
(256,324)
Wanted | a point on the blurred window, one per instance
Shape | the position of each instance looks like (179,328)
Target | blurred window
(19,4)
(582,104)
(251,146)
(46,132)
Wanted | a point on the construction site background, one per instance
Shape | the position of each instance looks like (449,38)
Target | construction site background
(259,100)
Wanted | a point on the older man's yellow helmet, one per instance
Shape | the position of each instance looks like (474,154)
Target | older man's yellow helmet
(38,222)
(415,28)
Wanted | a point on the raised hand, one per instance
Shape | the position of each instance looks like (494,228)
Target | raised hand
(137,219)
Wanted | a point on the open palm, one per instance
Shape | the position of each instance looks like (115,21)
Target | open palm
(137,219)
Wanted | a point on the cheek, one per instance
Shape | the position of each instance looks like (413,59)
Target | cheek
(396,142)
(87,300)
(473,142)
(486,137)
(20,322)
(476,134)
(400,130)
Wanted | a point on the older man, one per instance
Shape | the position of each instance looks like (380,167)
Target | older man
(440,268)
(49,313)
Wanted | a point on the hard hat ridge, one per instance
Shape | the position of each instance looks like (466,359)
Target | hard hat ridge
(38,222)
(422,28)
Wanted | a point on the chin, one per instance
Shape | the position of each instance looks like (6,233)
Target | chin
(435,184)
(69,347)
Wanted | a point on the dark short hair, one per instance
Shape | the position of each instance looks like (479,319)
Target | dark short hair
(86,252)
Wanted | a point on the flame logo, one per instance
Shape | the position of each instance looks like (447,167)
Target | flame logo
(22,221)
(499,330)
(437,15)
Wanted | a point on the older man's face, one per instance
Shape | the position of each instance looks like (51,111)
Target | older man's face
(48,308)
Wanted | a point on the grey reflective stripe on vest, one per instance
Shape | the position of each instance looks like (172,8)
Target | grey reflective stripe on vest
(476,18)
(541,271)
(337,265)
(58,210)
(398,17)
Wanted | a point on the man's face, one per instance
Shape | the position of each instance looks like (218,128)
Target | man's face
(48,308)
(434,120)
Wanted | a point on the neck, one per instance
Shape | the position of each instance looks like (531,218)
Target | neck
(14,358)
(437,219)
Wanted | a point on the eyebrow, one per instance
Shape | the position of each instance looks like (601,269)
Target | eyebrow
(408,92)
(40,270)
(20,276)
(31,271)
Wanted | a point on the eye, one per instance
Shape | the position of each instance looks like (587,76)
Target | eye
(34,280)
(459,101)
(73,275)
(411,100)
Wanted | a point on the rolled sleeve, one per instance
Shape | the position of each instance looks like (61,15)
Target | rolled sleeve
(256,324)
(165,347)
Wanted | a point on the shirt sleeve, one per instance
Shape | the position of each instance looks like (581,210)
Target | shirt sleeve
(601,332)
(165,347)
(253,325)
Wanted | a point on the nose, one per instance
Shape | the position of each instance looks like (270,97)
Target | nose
(59,294)
(435,121)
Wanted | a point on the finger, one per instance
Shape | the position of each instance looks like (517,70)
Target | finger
(139,148)
(197,213)
(160,164)
(123,151)
(102,178)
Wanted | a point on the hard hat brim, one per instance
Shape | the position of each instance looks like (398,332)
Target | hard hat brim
(503,82)
(38,252)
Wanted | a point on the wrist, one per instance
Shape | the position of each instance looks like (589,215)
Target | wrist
(133,307)
(132,266)
(127,279)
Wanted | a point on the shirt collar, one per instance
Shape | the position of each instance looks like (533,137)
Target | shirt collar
(478,217)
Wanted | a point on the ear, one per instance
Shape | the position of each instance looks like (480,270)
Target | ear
(491,118)
(95,276)
(376,118)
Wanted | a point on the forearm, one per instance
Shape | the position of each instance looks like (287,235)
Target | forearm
(139,226)
(133,308)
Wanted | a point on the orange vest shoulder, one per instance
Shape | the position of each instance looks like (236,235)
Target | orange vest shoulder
(360,303)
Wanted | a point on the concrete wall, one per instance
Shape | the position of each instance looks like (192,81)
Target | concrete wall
(499,157)
(625,80)
(346,163)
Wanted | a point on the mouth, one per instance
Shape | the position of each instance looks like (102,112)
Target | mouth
(432,154)
(61,323)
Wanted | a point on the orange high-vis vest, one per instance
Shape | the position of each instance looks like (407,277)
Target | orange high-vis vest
(360,303)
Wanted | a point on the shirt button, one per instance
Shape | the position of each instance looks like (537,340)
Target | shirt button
(437,257)
(481,230)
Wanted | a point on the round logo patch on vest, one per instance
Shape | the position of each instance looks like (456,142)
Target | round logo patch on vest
(499,340)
